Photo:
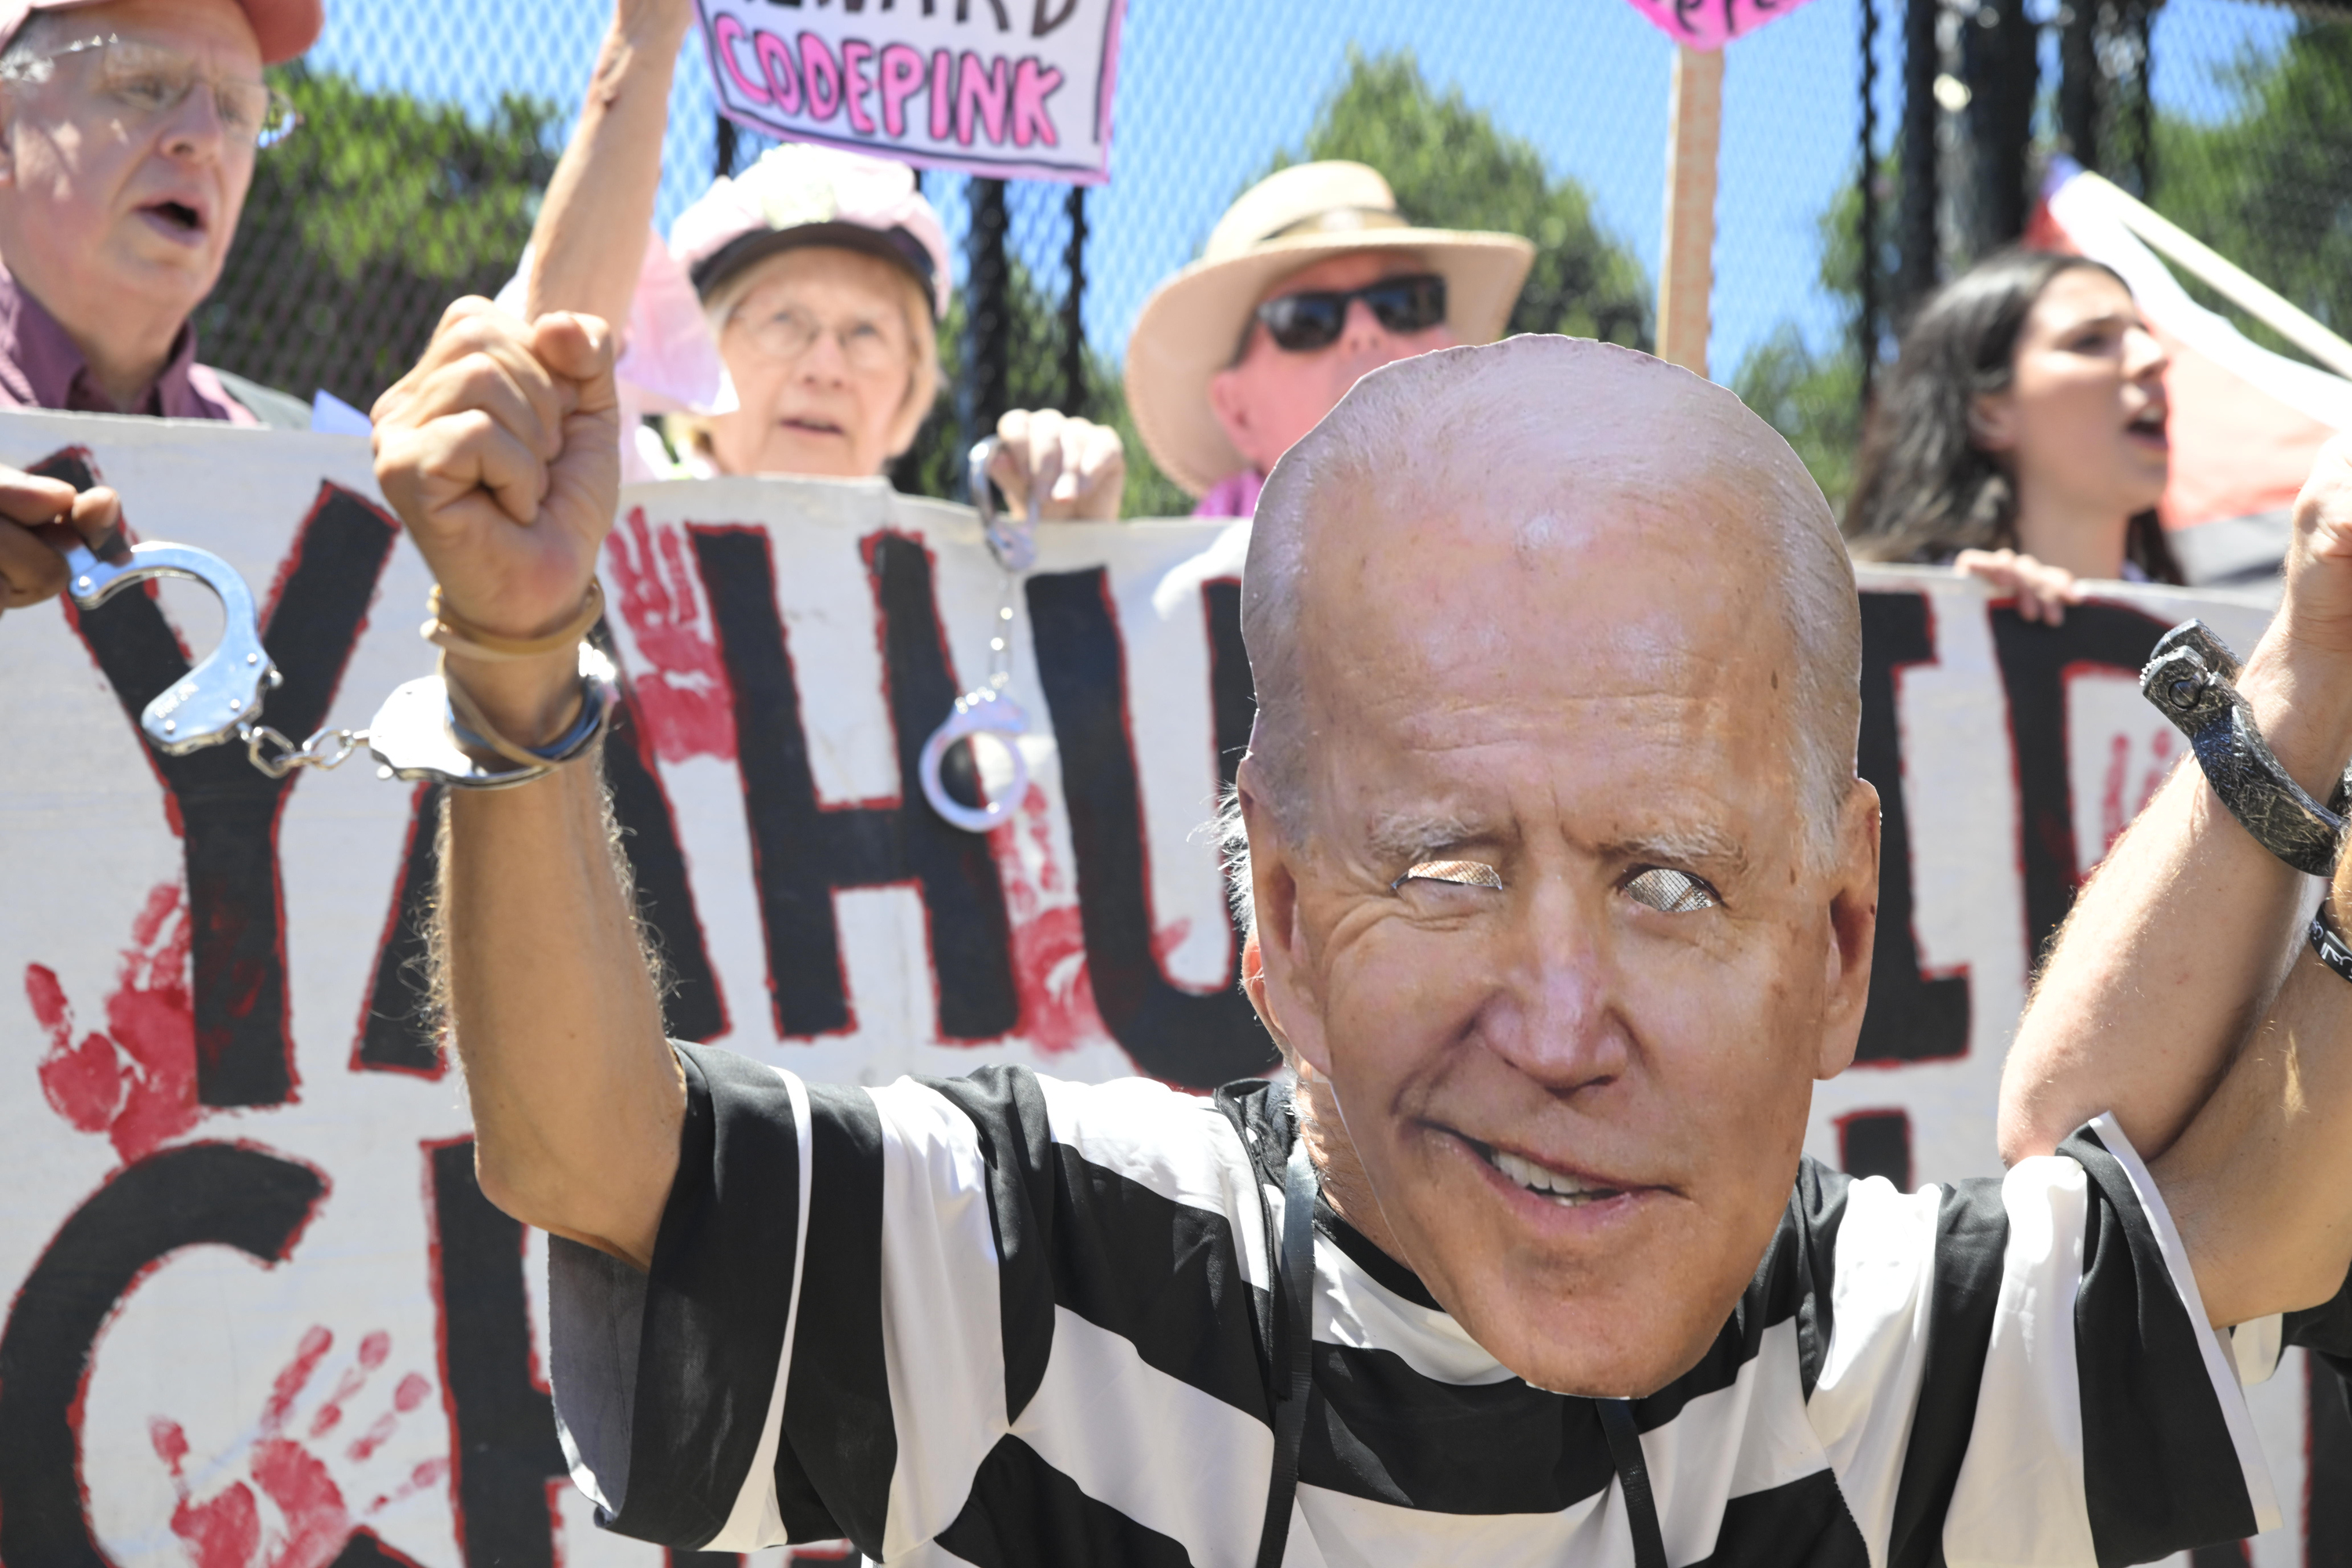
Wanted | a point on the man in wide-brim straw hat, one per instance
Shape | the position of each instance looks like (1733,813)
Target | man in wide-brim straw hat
(1310,280)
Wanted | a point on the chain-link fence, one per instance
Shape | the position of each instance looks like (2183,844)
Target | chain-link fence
(2230,117)
(2251,146)
(431,126)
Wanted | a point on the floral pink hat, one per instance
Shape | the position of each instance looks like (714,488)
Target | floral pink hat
(802,194)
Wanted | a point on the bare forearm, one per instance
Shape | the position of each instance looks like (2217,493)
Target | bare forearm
(588,244)
(576,1098)
(2180,940)
(2175,947)
(2258,1182)
(499,450)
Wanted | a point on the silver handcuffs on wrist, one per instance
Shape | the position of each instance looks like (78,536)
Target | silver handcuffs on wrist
(415,735)
(2191,677)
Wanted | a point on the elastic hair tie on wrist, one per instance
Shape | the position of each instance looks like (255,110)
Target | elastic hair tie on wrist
(454,635)
(473,728)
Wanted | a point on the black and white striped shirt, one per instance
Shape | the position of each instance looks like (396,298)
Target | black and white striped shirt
(1005,1321)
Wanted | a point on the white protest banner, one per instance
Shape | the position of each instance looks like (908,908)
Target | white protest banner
(256,1311)
(1008,89)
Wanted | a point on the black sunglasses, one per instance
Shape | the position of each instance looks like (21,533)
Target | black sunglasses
(1302,323)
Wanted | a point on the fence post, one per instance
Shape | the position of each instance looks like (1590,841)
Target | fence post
(988,318)
(2078,81)
(2004,78)
(2137,14)
(722,152)
(1074,325)
(1922,59)
(1866,325)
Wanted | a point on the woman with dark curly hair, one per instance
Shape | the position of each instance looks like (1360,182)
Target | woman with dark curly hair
(2020,437)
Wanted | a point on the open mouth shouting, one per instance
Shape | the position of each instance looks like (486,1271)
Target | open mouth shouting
(2148,425)
(176,220)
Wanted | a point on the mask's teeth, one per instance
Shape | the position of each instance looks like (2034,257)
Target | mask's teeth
(1537,1179)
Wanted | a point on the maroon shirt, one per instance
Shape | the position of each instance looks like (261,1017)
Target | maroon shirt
(40,367)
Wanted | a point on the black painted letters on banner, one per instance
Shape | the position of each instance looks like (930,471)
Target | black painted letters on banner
(197,1193)
(226,810)
(2035,663)
(1912,1016)
(803,851)
(1197,1039)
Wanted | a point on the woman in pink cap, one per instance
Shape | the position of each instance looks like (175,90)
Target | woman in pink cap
(791,321)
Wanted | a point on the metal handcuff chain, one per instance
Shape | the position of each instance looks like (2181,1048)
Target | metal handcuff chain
(412,736)
(988,709)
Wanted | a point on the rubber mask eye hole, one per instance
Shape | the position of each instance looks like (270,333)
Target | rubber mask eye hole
(1670,892)
(1460,873)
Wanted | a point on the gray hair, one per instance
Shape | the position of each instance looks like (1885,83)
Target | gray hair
(1424,432)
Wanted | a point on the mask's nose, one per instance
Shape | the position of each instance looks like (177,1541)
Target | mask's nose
(1550,1015)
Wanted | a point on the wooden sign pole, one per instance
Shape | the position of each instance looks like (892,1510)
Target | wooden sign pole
(1686,266)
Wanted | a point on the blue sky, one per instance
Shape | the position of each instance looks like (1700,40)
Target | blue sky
(1209,89)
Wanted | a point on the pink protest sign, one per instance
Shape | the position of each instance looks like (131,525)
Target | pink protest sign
(1008,89)
(1711,23)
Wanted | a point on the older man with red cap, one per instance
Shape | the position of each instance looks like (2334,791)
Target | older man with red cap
(120,190)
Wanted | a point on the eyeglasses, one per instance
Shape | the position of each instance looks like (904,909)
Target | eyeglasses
(789,332)
(1301,323)
(149,81)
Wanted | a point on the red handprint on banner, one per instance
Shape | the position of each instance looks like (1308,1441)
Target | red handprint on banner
(283,1506)
(684,699)
(135,1081)
(1049,941)
(2118,802)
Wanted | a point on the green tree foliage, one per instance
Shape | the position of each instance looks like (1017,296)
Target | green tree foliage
(934,465)
(1812,396)
(1813,399)
(363,225)
(1451,168)
(2268,183)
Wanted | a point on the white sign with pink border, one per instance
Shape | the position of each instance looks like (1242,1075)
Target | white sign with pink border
(1008,89)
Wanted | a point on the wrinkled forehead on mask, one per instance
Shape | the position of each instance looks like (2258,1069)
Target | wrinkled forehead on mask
(1536,442)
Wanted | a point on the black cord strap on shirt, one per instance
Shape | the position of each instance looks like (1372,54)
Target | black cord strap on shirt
(1294,1299)
(1633,1476)
(1295,1345)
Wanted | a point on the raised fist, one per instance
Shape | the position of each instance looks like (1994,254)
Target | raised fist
(501,453)
(2317,610)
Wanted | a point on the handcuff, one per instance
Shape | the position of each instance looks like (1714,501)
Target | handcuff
(414,735)
(988,709)
(2191,677)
